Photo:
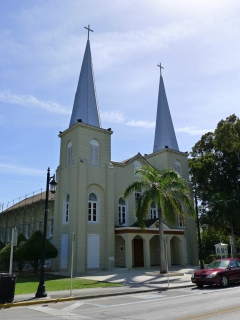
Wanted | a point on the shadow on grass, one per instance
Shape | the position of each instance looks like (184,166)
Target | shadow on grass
(28,283)
(26,277)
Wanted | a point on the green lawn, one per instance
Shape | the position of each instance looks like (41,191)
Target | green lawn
(27,283)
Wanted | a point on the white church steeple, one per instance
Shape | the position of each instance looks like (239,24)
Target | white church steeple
(164,130)
(85,102)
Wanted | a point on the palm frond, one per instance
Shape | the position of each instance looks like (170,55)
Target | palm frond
(166,188)
(135,186)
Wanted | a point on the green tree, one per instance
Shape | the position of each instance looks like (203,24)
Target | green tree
(215,170)
(31,250)
(18,252)
(171,194)
(2,245)
(227,135)
(209,237)
(5,256)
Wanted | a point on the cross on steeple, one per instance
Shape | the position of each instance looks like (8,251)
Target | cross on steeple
(160,66)
(164,130)
(85,108)
(88,29)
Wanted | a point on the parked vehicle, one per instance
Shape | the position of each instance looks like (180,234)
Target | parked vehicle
(220,272)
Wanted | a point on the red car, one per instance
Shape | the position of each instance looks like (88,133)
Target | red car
(221,272)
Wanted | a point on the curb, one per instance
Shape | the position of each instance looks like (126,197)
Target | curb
(166,275)
(71,298)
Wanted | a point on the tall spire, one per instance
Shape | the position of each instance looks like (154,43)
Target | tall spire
(85,102)
(164,130)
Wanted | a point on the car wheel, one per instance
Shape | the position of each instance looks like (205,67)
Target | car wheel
(199,285)
(224,281)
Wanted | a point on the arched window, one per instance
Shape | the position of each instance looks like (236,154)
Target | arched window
(66,209)
(178,166)
(94,153)
(154,211)
(92,208)
(136,165)
(69,153)
(121,212)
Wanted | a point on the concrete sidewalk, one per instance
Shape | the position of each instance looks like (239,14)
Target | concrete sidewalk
(133,281)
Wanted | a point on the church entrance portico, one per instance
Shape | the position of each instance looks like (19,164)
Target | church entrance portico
(133,247)
(140,248)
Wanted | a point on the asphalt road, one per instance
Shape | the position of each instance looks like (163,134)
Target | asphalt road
(178,304)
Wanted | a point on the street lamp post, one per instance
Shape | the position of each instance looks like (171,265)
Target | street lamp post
(41,291)
(198,230)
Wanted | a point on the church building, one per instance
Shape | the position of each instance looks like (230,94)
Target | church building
(91,219)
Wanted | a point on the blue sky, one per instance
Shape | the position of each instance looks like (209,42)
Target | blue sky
(41,51)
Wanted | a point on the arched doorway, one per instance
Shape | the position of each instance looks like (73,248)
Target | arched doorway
(175,250)
(138,252)
(154,251)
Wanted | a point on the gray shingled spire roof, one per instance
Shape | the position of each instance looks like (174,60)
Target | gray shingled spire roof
(85,103)
(164,130)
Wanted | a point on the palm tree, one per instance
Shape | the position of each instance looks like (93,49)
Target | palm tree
(166,189)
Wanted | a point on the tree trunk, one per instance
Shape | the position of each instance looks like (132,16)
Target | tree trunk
(163,264)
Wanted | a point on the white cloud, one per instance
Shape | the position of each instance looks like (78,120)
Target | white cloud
(112,116)
(193,131)
(142,124)
(31,101)
(8,168)
(123,46)
(117,117)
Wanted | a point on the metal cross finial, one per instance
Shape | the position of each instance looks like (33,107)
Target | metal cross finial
(88,29)
(160,66)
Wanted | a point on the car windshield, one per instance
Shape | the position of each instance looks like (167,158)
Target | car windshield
(218,264)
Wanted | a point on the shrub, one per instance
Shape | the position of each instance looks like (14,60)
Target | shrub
(31,250)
